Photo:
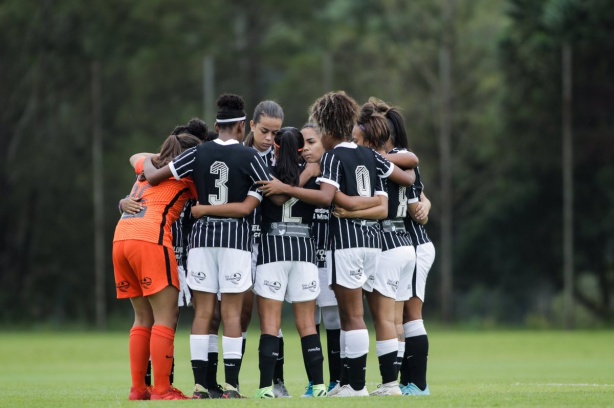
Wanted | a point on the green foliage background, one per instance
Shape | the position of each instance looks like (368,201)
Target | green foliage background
(506,130)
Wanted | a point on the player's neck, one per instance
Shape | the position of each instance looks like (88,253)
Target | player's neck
(226,136)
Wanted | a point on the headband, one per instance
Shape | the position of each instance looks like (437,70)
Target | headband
(230,120)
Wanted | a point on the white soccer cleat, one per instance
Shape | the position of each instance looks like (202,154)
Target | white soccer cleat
(348,391)
(388,389)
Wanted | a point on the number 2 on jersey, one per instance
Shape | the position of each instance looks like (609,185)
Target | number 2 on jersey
(221,170)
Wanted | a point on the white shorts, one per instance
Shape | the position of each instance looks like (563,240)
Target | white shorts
(255,251)
(407,264)
(350,267)
(326,296)
(224,270)
(392,265)
(425,256)
(185,296)
(292,281)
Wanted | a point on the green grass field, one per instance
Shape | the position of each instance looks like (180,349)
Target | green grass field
(476,368)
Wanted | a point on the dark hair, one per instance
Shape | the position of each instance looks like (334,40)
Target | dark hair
(289,140)
(398,134)
(229,106)
(211,135)
(173,146)
(334,114)
(396,124)
(270,109)
(196,127)
(373,124)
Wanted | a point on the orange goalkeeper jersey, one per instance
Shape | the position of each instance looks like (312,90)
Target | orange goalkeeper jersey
(162,205)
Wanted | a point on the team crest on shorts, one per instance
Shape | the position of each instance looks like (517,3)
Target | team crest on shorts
(273,286)
(146,282)
(123,286)
(311,286)
(356,274)
(199,276)
(393,284)
(234,278)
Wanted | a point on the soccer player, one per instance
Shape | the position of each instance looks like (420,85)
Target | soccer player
(409,320)
(146,272)
(286,269)
(327,311)
(223,171)
(264,125)
(398,257)
(354,171)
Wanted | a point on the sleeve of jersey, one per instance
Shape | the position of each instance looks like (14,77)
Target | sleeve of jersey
(381,187)
(183,165)
(330,165)
(258,171)
(384,167)
(140,165)
(412,195)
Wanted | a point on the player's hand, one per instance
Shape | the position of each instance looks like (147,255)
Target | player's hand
(130,206)
(272,187)
(340,212)
(422,212)
(199,210)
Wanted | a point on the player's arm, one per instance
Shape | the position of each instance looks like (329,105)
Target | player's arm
(320,198)
(153,175)
(134,159)
(378,212)
(405,160)
(353,203)
(230,210)
(402,177)
(419,211)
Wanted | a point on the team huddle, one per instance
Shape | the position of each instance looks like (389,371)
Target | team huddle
(320,217)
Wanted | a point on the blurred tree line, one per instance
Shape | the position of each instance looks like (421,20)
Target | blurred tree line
(489,70)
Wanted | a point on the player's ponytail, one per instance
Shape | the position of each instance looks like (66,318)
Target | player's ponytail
(374,125)
(288,146)
(172,147)
(398,134)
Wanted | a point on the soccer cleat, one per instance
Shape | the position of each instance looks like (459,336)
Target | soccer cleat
(383,390)
(265,393)
(336,388)
(231,392)
(172,394)
(200,392)
(309,391)
(279,389)
(332,385)
(412,389)
(216,392)
(319,390)
(348,391)
(139,395)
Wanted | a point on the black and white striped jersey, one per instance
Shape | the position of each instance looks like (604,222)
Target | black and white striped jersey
(355,171)
(397,210)
(255,216)
(181,231)
(319,232)
(223,172)
(416,231)
(275,248)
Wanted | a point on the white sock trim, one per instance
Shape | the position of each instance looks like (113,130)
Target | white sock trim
(401,351)
(199,347)
(414,328)
(386,347)
(356,343)
(232,347)
(213,346)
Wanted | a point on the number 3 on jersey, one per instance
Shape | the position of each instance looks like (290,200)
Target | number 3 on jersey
(221,170)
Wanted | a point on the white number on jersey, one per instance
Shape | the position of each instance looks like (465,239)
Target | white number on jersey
(402,210)
(287,211)
(363,182)
(221,169)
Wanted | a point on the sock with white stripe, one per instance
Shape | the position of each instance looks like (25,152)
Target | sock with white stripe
(416,354)
(199,347)
(356,349)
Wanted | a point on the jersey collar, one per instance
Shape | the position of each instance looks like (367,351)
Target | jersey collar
(349,145)
(226,143)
